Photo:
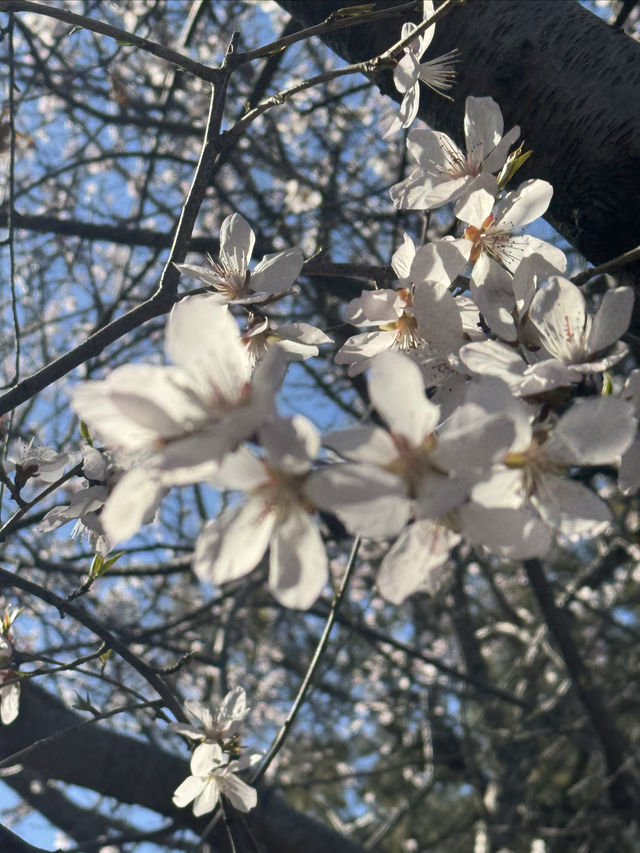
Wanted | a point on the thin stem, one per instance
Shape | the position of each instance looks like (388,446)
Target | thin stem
(384,61)
(25,507)
(211,75)
(166,295)
(614,264)
(285,729)
(21,754)
(65,607)
(331,23)
(12,166)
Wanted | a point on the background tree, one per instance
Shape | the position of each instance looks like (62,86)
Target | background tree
(499,711)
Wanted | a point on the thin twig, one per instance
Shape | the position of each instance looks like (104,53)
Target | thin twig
(166,295)
(285,729)
(330,24)
(12,189)
(204,72)
(384,61)
(65,607)
(25,507)
(18,756)
(614,264)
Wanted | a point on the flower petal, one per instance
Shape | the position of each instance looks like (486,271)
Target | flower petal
(206,757)
(236,243)
(369,501)
(396,389)
(612,318)
(483,126)
(9,702)
(233,544)
(298,565)
(133,501)
(593,432)
(276,273)
(414,560)
(438,317)
(570,508)
(188,791)
(525,204)
(208,798)
(513,533)
(203,337)
(241,796)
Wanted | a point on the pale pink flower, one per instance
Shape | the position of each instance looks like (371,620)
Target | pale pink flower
(177,422)
(444,172)
(218,727)
(231,277)
(213,775)
(277,513)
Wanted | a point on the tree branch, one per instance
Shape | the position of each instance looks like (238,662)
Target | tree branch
(623,784)
(205,72)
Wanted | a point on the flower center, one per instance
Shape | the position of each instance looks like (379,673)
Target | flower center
(282,492)
(413,463)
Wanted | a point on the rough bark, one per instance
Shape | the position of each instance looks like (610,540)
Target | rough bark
(136,772)
(569,80)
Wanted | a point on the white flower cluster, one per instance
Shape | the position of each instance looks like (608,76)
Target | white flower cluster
(213,773)
(470,445)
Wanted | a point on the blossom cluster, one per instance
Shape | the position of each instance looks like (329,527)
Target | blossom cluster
(465,357)
(213,771)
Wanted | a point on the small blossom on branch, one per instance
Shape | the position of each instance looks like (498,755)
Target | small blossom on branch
(277,514)
(213,775)
(445,173)
(231,277)
(218,727)
(438,74)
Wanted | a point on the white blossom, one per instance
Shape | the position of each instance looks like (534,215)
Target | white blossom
(212,775)
(177,422)
(277,512)
(591,432)
(444,172)
(39,463)
(574,338)
(231,277)
(438,73)
(412,468)
(498,231)
(218,727)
